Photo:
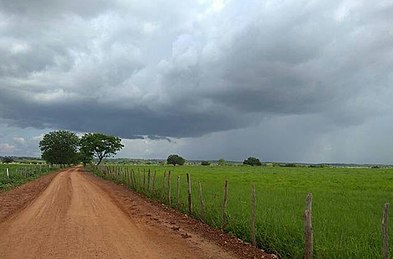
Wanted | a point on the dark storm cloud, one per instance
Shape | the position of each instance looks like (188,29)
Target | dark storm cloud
(125,68)
(130,123)
(155,137)
(43,9)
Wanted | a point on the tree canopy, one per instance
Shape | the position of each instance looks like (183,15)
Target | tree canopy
(99,145)
(65,147)
(205,163)
(60,147)
(252,161)
(175,160)
(221,161)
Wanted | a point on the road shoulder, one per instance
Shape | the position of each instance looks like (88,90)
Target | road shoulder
(15,200)
(153,213)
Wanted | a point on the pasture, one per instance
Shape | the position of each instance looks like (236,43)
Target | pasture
(20,173)
(347,203)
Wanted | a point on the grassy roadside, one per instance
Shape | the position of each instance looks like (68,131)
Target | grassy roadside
(19,174)
(347,205)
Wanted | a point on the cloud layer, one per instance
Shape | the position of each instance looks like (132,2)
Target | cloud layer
(190,69)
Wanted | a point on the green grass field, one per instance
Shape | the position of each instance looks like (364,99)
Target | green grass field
(20,174)
(347,204)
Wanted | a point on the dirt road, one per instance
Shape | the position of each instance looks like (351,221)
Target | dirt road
(75,217)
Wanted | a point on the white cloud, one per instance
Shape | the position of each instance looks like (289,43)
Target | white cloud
(38,138)
(19,140)
(149,27)
(6,148)
(19,48)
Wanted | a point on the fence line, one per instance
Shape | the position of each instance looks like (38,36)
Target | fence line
(147,184)
(12,175)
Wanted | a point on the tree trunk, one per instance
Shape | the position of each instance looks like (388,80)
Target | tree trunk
(99,161)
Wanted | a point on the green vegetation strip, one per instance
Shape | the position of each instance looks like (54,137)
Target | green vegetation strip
(19,174)
(347,203)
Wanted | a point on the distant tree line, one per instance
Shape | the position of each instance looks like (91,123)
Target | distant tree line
(7,160)
(178,160)
(66,148)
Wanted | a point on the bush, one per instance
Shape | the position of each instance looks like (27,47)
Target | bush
(252,161)
(205,163)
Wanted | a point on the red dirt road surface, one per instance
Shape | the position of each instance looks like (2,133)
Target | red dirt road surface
(81,216)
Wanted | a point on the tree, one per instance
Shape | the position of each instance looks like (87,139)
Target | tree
(85,158)
(205,163)
(221,161)
(99,145)
(60,147)
(252,161)
(175,160)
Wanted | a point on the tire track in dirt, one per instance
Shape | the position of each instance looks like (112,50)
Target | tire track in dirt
(75,218)
(13,201)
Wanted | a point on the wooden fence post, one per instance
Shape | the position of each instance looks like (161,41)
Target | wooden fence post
(169,189)
(144,179)
(138,178)
(178,190)
(134,179)
(203,207)
(148,180)
(385,244)
(163,187)
(308,232)
(189,194)
(224,205)
(154,181)
(129,178)
(253,215)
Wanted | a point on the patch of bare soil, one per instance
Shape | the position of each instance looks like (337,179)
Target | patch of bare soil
(18,198)
(154,213)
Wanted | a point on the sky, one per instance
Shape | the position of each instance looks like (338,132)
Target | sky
(282,80)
